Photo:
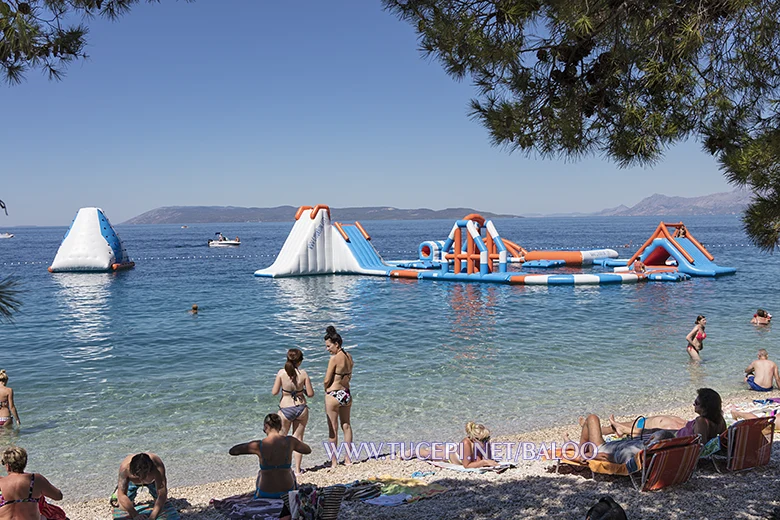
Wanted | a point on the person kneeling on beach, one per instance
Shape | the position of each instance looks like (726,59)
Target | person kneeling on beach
(620,451)
(136,471)
(759,373)
(474,449)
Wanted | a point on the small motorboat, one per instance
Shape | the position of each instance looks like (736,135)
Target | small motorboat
(223,241)
(6,235)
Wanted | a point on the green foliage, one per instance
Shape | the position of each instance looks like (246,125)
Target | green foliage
(9,303)
(40,34)
(623,78)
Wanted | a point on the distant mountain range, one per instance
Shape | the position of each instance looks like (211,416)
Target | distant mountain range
(726,203)
(216,214)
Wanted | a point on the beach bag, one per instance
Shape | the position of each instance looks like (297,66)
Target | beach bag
(311,503)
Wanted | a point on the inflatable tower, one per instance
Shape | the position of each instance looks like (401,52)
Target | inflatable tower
(90,244)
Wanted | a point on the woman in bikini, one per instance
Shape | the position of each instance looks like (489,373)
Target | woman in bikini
(709,422)
(275,477)
(7,407)
(474,448)
(20,492)
(338,399)
(295,386)
(696,338)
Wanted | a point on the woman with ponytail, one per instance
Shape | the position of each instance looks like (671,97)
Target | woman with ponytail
(338,398)
(295,386)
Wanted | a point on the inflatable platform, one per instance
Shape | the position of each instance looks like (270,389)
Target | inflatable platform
(90,245)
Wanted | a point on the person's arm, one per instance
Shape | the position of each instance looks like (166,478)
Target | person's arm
(161,483)
(46,487)
(692,334)
(469,457)
(121,495)
(777,376)
(277,384)
(299,446)
(307,385)
(12,407)
(750,368)
(247,448)
(330,373)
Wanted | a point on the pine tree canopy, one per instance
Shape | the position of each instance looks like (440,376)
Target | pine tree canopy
(622,78)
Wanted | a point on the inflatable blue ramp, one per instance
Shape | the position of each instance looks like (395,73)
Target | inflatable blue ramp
(363,250)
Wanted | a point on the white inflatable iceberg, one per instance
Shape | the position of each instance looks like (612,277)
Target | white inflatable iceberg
(90,244)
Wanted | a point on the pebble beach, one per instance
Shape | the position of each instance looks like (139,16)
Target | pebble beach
(531,490)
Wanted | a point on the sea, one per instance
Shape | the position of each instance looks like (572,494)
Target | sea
(103,365)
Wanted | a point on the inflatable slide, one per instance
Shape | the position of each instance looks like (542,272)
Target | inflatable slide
(90,244)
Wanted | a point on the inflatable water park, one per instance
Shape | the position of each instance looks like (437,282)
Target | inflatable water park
(474,251)
(91,245)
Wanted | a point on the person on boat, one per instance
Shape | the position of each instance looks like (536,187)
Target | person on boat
(696,337)
(8,411)
(760,373)
(21,492)
(594,447)
(221,237)
(761,317)
(275,478)
(709,422)
(238,239)
(473,451)
(295,386)
(136,471)
(338,398)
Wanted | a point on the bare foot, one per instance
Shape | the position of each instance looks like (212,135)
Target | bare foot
(616,426)
(581,420)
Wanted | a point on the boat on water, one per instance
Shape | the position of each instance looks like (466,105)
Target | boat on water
(223,241)
(6,235)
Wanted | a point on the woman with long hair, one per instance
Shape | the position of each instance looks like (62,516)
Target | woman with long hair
(20,492)
(295,386)
(338,398)
(696,337)
(7,407)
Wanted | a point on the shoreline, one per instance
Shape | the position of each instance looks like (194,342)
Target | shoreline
(529,491)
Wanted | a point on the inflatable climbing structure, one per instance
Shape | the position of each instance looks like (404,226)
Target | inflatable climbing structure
(90,244)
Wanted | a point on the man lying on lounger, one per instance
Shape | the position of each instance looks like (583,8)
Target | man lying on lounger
(620,451)
(143,469)
(759,374)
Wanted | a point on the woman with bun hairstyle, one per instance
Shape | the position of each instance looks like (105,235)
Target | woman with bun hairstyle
(7,406)
(338,399)
(295,386)
(696,337)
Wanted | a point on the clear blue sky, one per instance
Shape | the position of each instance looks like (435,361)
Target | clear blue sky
(251,103)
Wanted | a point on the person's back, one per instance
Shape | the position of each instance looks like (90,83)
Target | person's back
(761,373)
(20,492)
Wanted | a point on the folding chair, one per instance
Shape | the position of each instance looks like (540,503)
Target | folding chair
(746,444)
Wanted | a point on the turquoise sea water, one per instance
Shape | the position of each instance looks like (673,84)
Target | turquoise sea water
(108,364)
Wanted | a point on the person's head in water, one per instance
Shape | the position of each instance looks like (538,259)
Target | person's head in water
(606,509)
(141,466)
(477,432)
(271,423)
(709,405)
(194,309)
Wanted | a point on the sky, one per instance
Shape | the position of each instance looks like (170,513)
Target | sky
(260,103)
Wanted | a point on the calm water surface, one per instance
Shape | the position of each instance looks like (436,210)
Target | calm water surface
(108,364)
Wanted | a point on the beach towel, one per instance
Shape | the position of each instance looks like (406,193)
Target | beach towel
(50,511)
(168,513)
(411,488)
(502,467)
(247,507)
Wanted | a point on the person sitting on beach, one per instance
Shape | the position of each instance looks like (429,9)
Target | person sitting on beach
(709,422)
(761,317)
(295,386)
(696,337)
(474,448)
(760,373)
(275,478)
(338,398)
(21,492)
(7,407)
(136,471)
(619,451)
(606,509)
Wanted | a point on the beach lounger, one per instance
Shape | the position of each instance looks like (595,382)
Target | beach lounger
(665,463)
(746,444)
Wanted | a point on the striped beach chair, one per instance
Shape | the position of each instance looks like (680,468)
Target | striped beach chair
(746,444)
(665,463)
